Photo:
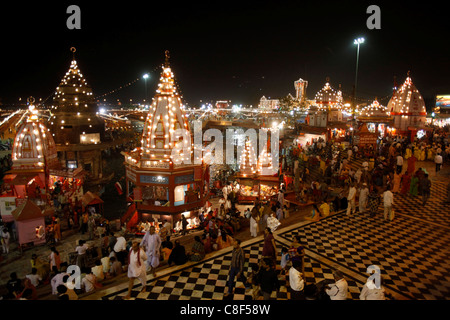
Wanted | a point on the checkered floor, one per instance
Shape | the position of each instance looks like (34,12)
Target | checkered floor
(413,256)
(412,252)
(208,280)
(434,211)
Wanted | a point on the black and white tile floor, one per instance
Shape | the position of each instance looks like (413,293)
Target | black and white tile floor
(412,252)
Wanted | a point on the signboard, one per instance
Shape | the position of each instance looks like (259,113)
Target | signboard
(443,101)
(7,206)
(365,138)
(154,179)
(184,179)
(131,176)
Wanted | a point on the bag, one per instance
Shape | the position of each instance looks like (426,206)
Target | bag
(392,214)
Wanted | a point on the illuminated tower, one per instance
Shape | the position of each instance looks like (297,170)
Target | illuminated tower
(161,175)
(75,126)
(300,89)
(407,107)
(33,154)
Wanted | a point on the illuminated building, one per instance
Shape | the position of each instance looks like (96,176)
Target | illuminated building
(377,118)
(325,116)
(79,134)
(33,156)
(407,109)
(162,176)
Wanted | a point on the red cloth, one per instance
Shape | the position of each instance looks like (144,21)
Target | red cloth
(138,257)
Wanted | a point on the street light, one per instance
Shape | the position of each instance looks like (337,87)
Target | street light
(145,76)
(357,42)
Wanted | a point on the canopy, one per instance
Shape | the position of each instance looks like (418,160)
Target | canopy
(22,180)
(90,198)
(26,211)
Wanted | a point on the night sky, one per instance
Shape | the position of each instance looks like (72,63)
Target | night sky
(230,50)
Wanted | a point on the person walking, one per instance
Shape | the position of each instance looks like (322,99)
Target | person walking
(373,201)
(414,186)
(388,201)
(55,259)
(5,240)
(136,268)
(236,266)
(363,194)
(406,183)
(254,219)
(269,248)
(151,242)
(351,200)
(120,248)
(184,225)
(84,222)
(57,230)
(425,189)
(91,227)
(399,163)
(296,281)
(81,249)
(438,162)
(267,278)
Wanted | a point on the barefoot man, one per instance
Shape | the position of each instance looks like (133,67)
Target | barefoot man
(152,246)
(136,268)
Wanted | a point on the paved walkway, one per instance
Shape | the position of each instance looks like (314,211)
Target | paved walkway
(413,256)
(412,251)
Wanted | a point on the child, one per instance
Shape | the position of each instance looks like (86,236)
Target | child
(252,281)
(285,258)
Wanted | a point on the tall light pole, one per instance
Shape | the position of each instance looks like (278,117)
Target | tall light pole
(358,42)
(145,76)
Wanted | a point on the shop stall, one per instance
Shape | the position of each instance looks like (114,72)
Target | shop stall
(30,224)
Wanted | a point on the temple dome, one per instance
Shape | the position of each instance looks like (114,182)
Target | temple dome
(407,106)
(166,127)
(328,98)
(407,100)
(375,109)
(34,147)
(74,111)
(73,91)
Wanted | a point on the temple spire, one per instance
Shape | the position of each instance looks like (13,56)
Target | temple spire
(167,64)
(73,49)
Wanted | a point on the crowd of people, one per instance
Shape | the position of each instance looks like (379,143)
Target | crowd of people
(388,170)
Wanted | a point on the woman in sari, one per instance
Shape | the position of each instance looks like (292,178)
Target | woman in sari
(397,179)
(412,164)
(269,248)
(414,187)
(422,154)
(406,182)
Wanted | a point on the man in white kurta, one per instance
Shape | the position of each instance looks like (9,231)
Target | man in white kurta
(136,268)
(351,199)
(152,244)
(225,192)
(363,196)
